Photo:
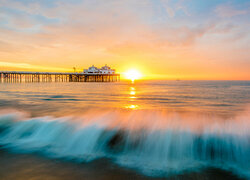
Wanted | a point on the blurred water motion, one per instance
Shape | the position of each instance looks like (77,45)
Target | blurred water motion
(160,129)
(158,147)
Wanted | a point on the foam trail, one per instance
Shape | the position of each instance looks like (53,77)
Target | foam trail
(153,150)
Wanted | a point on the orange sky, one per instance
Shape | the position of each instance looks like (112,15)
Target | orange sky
(162,39)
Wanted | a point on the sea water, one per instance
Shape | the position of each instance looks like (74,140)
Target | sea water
(157,129)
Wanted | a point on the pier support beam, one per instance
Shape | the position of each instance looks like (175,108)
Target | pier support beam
(18,77)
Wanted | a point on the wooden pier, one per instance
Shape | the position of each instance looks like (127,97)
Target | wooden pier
(21,76)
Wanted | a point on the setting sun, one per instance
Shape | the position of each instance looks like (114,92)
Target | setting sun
(133,74)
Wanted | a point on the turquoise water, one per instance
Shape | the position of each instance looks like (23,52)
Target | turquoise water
(153,128)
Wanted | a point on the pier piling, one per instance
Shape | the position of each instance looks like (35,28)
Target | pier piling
(20,76)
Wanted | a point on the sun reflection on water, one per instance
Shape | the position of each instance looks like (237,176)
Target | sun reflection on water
(132,97)
(132,93)
(132,106)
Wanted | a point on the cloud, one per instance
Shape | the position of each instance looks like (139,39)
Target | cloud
(97,24)
(26,66)
(228,11)
(5,47)
(68,33)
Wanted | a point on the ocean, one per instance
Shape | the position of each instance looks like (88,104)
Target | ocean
(143,130)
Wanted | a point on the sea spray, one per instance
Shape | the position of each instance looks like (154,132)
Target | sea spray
(153,143)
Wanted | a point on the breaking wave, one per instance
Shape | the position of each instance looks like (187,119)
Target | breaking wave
(153,143)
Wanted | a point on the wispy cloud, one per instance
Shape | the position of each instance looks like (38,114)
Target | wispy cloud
(165,33)
(228,10)
(25,66)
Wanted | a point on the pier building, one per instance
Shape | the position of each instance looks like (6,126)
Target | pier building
(103,70)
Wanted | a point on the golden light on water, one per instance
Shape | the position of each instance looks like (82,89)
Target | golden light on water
(132,92)
(132,97)
(133,74)
(132,106)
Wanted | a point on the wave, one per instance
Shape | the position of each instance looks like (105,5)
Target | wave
(153,148)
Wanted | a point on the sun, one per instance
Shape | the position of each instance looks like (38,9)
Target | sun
(133,74)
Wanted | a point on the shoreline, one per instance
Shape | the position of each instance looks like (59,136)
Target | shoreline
(30,166)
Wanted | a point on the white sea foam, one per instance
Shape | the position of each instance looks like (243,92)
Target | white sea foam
(161,146)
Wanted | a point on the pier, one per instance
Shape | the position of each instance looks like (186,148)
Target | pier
(21,76)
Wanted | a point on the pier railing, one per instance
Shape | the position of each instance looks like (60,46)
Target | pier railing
(23,76)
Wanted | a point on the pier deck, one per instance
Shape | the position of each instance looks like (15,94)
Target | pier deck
(22,76)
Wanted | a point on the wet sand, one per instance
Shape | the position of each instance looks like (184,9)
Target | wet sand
(36,167)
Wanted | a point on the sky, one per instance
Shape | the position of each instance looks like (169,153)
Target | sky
(164,39)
